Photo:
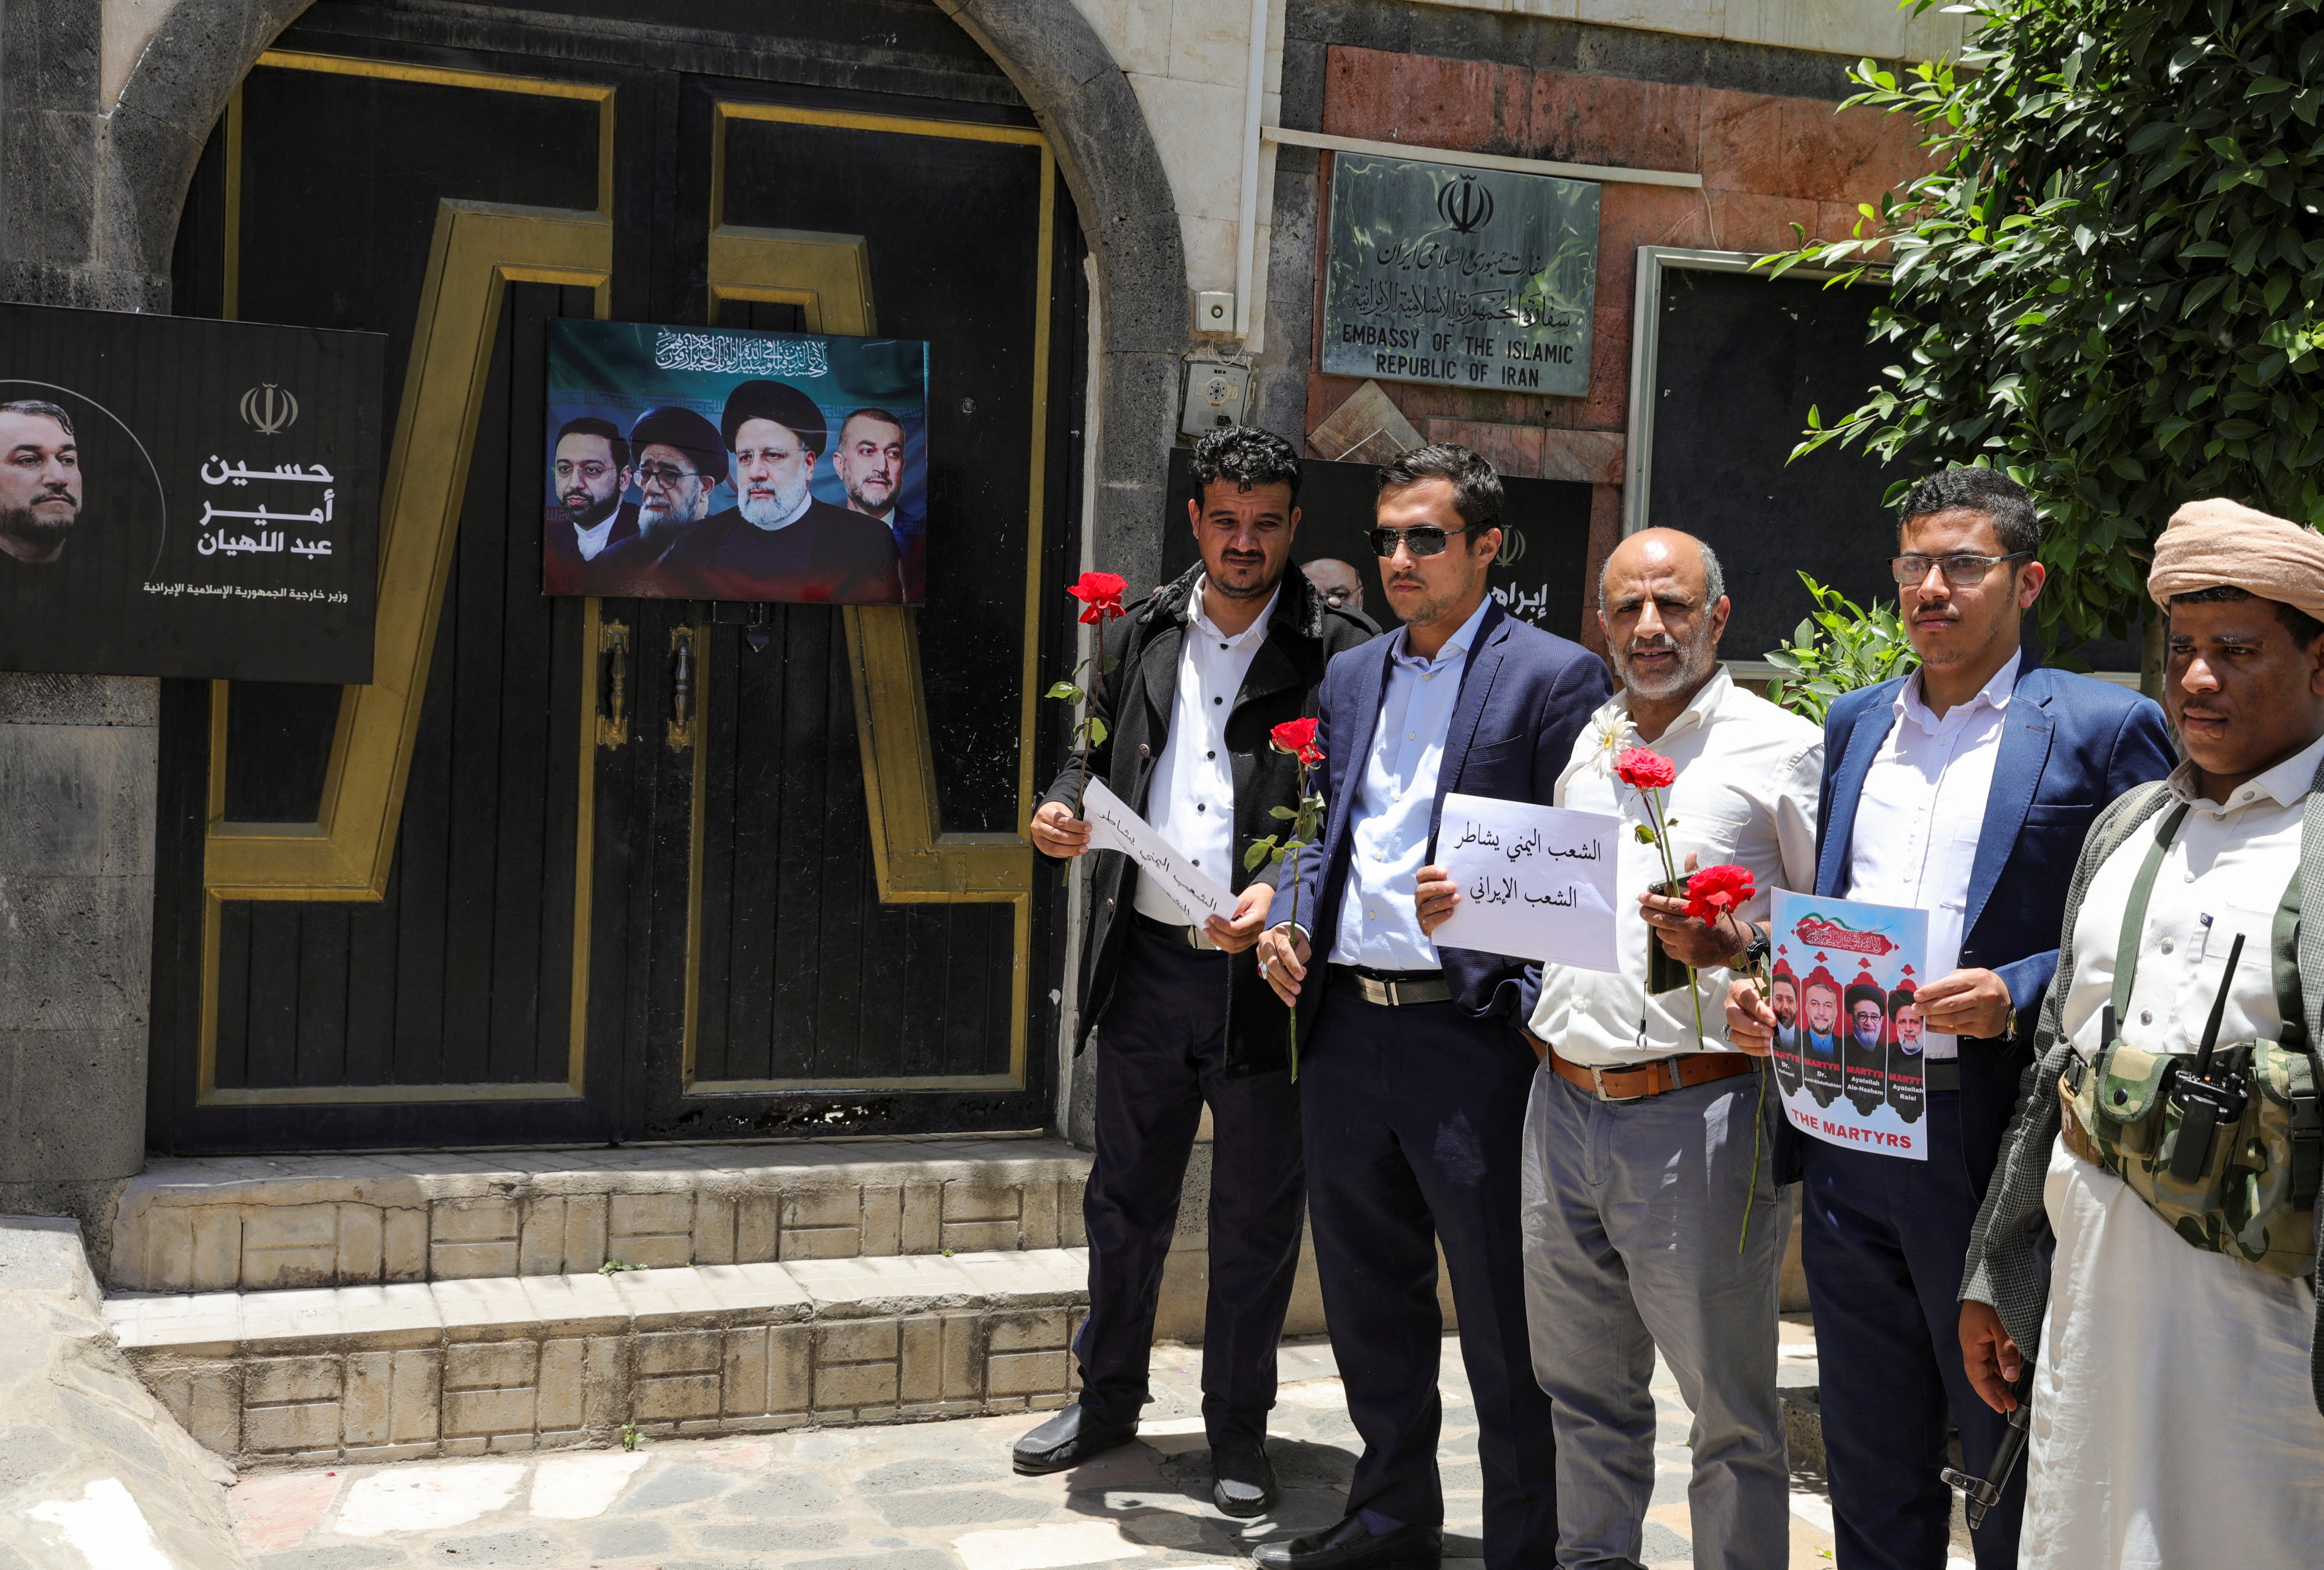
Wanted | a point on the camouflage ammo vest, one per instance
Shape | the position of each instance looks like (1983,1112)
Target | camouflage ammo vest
(2248,1189)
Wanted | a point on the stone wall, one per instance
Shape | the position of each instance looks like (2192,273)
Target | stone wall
(76,776)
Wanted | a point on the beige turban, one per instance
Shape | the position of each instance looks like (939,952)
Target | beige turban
(2209,543)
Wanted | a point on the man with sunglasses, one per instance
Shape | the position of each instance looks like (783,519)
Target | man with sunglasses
(1963,789)
(1413,1072)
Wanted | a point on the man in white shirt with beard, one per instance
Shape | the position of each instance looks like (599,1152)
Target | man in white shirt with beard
(1646,1139)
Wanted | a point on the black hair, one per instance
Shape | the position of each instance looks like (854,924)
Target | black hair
(1476,488)
(779,401)
(867,412)
(1249,457)
(2304,628)
(1987,491)
(41,407)
(590,425)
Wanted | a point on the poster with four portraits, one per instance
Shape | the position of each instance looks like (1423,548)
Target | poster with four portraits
(1844,982)
(726,464)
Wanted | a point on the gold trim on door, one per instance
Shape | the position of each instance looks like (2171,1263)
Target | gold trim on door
(478,248)
(829,278)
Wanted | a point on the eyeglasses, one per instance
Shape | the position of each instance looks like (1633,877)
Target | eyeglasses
(1427,540)
(666,475)
(1961,571)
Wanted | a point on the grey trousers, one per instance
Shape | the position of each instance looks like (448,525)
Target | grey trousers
(1631,1214)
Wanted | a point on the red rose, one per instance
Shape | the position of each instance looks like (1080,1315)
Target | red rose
(1297,738)
(1714,892)
(1100,594)
(1645,768)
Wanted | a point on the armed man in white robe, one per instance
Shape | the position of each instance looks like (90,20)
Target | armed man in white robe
(2170,1132)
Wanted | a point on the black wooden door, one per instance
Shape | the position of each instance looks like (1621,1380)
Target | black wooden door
(635,869)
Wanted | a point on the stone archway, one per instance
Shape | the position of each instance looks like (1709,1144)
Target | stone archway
(92,220)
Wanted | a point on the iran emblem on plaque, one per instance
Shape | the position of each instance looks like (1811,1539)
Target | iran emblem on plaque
(1460,277)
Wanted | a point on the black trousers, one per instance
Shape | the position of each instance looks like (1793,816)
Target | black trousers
(1884,1241)
(1162,1042)
(1414,1119)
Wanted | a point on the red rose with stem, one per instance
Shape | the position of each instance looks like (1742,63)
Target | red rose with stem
(1100,594)
(1297,739)
(1649,773)
(1711,893)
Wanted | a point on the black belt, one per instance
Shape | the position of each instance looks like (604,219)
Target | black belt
(1175,936)
(1394,989)
(1940,1074)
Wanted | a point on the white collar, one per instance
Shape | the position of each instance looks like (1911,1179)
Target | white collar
(1198,615)
(1454,647)
(1995,694)
(2285,784)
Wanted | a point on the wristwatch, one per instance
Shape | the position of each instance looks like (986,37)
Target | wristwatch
(1756,952)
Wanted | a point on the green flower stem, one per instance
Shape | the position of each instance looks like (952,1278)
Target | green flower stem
(1758,1134)
(1670,875)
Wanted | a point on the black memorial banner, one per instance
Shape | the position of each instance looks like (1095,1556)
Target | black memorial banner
(188,497)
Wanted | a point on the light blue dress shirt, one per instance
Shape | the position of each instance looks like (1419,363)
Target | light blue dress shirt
(1379,925)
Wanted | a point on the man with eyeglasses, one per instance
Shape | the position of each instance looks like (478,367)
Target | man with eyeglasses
(1963,789)
(678,459)
(1413,1072)
(591,474)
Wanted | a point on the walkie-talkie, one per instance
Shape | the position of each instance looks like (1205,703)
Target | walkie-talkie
(2205,1102)
(1981,1494)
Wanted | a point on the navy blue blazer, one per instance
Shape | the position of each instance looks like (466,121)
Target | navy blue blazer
(1524,695)
(2069,746)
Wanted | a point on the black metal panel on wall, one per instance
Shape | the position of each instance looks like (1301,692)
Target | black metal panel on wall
(573,937)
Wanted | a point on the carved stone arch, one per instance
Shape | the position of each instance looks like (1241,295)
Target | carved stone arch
(152,137)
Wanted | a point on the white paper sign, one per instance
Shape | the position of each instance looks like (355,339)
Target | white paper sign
(1114,827)
(1537,883)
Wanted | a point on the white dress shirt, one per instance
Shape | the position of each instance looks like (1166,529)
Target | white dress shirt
(1190,801)
(2220,1410)
(1744,795)
(1379,925)
(1923,808)
(594,538)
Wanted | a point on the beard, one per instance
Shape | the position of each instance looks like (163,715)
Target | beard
(43,534)
(1695,657)
(586,512)
(771,511)
(654,512)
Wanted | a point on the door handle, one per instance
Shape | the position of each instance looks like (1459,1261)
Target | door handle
(681,688)
(614,651)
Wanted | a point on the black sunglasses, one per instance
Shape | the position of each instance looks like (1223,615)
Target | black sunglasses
(1427,540)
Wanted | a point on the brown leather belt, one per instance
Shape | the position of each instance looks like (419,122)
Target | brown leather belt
(1662,1074)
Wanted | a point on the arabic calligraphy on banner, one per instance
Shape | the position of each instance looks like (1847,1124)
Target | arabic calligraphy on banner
(213,540)
(1537,883)
(1461,277)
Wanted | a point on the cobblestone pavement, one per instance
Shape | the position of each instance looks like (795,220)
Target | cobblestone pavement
(928,1496)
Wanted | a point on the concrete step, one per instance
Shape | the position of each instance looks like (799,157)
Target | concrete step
(262,1223)
(466,1368)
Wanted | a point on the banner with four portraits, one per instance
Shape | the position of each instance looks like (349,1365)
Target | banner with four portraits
(724,464)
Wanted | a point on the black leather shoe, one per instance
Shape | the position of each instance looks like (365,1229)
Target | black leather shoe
(1243,1479)
(1350,1546)
(1067,1440)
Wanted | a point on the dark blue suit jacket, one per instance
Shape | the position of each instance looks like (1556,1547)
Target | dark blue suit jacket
(1524,695)
(2071,745)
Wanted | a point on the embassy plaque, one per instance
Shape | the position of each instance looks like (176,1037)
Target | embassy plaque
(1460,277)
(187,497)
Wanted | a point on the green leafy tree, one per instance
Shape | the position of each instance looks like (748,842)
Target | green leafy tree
(1838,649)
(2108,282)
